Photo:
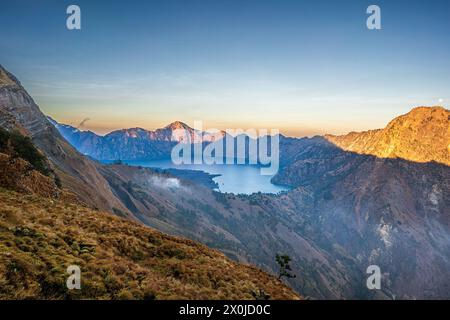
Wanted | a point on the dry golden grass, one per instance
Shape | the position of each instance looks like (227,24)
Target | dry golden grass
(119,259)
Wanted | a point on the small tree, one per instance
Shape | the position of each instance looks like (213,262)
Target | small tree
(260,295)
(285,268)
(118,162)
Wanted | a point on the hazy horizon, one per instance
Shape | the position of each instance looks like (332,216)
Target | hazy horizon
(80,126)
(302,67)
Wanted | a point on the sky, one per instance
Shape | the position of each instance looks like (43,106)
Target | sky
(303,67)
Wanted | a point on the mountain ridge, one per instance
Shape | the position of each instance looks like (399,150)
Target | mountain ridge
(421,135)
(391,141)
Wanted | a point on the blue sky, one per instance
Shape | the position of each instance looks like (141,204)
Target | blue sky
(304,67)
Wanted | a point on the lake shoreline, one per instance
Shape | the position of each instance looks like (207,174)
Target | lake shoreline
(224,178)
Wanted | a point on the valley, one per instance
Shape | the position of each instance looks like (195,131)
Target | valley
(353,201)
(226,178)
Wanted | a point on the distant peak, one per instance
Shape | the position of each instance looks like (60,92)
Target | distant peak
(177,125)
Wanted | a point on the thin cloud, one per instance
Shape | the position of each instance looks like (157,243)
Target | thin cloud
(82,123)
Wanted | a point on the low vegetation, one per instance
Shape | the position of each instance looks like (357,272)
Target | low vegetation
(19,146)
(119,259)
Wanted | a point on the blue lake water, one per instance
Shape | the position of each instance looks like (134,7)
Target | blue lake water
(246,179)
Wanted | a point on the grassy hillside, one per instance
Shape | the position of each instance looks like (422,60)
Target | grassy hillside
(40,237)
(44,229)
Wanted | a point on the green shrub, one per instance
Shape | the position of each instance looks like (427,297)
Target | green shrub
(22,147)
